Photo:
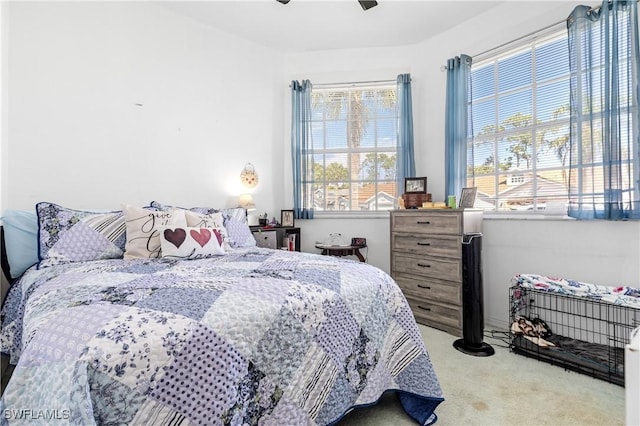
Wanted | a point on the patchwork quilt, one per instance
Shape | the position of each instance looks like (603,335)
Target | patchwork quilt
(254,336)
(621,295)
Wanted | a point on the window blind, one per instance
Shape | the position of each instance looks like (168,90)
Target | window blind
(518,142)
(354,140)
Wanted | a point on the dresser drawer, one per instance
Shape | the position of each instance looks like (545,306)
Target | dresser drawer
(444,269)
(419,288)
(427,223)
(266,239)
(437,315)
(445,245)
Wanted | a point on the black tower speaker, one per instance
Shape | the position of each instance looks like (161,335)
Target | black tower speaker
(472,299)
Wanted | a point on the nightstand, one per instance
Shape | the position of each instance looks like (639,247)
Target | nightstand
(275,236)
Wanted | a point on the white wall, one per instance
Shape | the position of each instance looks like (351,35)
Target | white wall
(599,252)
(112,102)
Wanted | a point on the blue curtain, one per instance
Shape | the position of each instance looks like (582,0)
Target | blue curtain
(300,149)
(457,128)
(604,141)
(406,166)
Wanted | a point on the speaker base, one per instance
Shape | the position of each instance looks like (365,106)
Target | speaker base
(483,350)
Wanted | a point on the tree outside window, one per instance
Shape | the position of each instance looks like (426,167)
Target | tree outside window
(354,142)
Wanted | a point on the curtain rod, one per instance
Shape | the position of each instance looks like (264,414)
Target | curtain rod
(474,57)
(503,45)
(353,83)
(533,33)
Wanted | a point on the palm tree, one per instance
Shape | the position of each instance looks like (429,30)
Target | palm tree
(353,103)
(560,144)
(520,143)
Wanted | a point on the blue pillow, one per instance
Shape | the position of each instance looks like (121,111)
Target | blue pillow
(21,240)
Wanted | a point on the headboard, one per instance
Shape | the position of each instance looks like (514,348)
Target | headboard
(5,277)
(3,254)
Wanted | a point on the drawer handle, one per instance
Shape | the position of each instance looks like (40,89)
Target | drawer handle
(424,244)
(424,309)
(421,222)
(424,286)
(423,265)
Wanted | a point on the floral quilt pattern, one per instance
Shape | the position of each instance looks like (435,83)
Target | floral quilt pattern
(255,336)
(620,295)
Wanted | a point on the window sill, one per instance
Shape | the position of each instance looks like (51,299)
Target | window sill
(524,216)
(383,214)
(486,216)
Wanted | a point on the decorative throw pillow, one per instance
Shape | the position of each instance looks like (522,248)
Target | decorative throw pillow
(143,229)
(67,235)
(234,220)
(191,243)
(209,220)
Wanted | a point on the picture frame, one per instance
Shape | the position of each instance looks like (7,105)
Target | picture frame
(287,218)
(468,197)
(415,185)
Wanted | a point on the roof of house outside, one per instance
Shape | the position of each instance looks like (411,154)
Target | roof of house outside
(363,195)
(549,182)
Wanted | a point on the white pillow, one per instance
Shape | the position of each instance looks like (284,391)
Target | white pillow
(209,220)
(143,230)
(191,243)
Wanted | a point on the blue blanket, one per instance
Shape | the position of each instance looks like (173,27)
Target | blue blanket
(257,335)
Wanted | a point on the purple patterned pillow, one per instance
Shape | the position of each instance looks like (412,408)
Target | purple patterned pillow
(66,235)
(235,220)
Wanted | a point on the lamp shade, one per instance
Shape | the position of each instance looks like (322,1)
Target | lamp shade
(246,201)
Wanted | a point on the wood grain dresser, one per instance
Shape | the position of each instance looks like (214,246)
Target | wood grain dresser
(426,262)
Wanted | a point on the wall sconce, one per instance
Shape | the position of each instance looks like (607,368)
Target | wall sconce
(246,201)
(248,176)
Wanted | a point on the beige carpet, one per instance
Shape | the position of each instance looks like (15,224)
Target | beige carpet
(503,389)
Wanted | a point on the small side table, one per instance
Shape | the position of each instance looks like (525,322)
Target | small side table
(341,251)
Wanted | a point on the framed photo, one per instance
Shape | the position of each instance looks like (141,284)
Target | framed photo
(468,197)
(286,218)
(415,185)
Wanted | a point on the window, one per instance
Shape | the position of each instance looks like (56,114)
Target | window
(518,156)
(354,139)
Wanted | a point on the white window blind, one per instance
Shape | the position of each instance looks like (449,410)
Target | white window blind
(518,155)
(354,141)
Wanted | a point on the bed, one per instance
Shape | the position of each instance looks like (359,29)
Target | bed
(234,335)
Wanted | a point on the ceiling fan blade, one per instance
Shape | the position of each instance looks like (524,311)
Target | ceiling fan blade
(366,4)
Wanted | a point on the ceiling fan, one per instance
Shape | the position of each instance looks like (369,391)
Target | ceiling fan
(366,4)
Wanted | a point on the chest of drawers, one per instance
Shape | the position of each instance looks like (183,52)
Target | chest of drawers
(426,262)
